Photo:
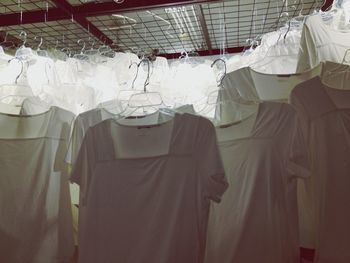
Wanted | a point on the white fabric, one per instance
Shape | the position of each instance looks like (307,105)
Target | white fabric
(41,73)
(320,42)
(275,55)
(36,220)
(120,66)
(9,109)
(257,221)
(188,83)
(324,209)
(9,70)
(250,85)
(336,75)
(152,208)
(67,71)
(33,105)
(103,81)
(88,119)
(85,120)
(278,55)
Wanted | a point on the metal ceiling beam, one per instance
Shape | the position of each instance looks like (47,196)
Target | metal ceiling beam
(327,4)
(31,17)
(206,52)
(199,12)
(107,8)
(82,21)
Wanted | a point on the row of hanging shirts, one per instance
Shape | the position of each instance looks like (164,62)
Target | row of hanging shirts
(84,81)
(97,78)
(243,118)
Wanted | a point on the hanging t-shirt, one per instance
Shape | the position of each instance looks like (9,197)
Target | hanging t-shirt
(320,42)
(256,221)
(90,118)
(250,85)
(36,220)
(86,120)
(324,206)
(147,190)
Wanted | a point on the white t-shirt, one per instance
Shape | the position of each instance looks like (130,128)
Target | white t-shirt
(320,42)
(147,190)
(88,119)
(36,220)
(324,208)
(250,85)
(256,221)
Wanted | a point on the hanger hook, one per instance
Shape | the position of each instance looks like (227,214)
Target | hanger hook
(56,46)
(47,75)
(184,55)
(92,43)
(23,36)
(148,70)
(22,66)
(225,69)
(40,43)
(302,8)
(137,72)
(84,44)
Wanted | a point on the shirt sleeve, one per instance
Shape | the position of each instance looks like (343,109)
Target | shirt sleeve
(212,174)
(84,166)
(298,163)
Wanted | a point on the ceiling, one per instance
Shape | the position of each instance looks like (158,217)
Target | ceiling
(170,26)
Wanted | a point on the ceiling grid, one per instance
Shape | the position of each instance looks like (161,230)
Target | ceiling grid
(169,26)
